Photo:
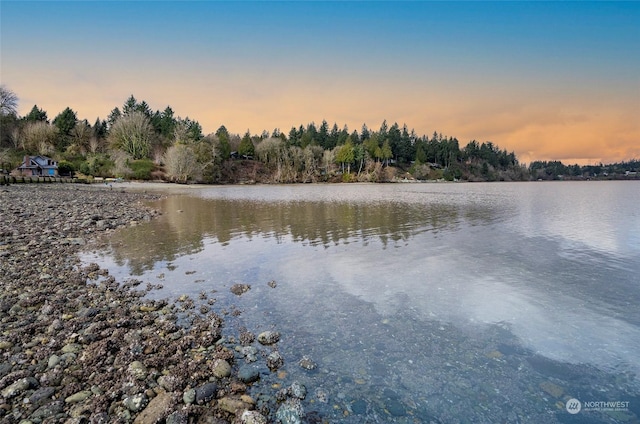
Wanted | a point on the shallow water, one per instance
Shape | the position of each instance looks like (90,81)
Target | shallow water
(419,302)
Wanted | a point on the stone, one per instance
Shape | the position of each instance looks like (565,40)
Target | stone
(41,395)
(290,412)
(78,397)
(170,383)
(268,337)
(321,395)
(137,370)
(48,410)
(248,374)
(221,368)
(148,308)
(157,410)
(239,289)
(206,392)
(5,368)
(298,390)
(359,407)
(307,363)
(71,348)
(189,396)
(136,402)
(395,407)
(5,345)
(16,388)
(552,389)
(274,360)
(233,405)
(252,417)
(249,353)
(53,361)
(88,312)
(177,417)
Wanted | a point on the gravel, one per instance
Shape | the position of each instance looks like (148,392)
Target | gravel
(78,346)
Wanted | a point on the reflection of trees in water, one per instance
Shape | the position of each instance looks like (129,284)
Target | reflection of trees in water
(142,246)
(186,221)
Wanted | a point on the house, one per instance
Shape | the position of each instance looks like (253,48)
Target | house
(39,165)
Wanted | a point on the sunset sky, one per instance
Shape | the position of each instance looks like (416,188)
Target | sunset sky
(548,80)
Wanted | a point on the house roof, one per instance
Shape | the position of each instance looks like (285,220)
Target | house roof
(38,161)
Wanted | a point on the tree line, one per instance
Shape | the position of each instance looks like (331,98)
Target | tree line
(134,141)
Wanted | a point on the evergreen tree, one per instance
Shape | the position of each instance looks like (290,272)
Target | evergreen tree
(164,122)
(323,136)
(114,115)
(36,115)
(246,147)
(64,122)
(364,134)
(100,128)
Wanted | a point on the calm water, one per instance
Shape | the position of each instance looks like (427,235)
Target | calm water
(419,302)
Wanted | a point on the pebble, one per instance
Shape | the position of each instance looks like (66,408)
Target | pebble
(249,353)
(252,417)
(136,402)
(221,368)
(17,387)
(177,417)
(268,337)
(307,363)
(78,397)
(137,370)
(53,361)
(322,395)
(206,392)
(41,395)
(290,412)
(156,411)
(359,407)
(189,396)
(88,330)
(233,405)
(274,360)
(48,410)
(298,390)
(71,348)
(248,374)
(239,289)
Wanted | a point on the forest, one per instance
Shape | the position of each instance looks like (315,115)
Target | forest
(136,142)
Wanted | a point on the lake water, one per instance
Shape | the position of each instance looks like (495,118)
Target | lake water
(418,302)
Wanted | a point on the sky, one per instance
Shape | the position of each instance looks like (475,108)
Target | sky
(547,80)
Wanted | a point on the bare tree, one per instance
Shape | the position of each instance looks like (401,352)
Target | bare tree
(16,137)
(312,160)
(132,134)
(39,137)
(80,137)
(95,144)
(8,101)
(121,160)
(181,163)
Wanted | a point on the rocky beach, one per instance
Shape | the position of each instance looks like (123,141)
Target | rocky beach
(78,346)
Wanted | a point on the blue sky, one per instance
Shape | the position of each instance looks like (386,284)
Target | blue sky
(549,80)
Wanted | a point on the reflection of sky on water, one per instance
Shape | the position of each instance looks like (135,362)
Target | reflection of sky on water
(557,263)
(602,216)
(468,289)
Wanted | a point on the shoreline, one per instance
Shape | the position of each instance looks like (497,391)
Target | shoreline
(77,345)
